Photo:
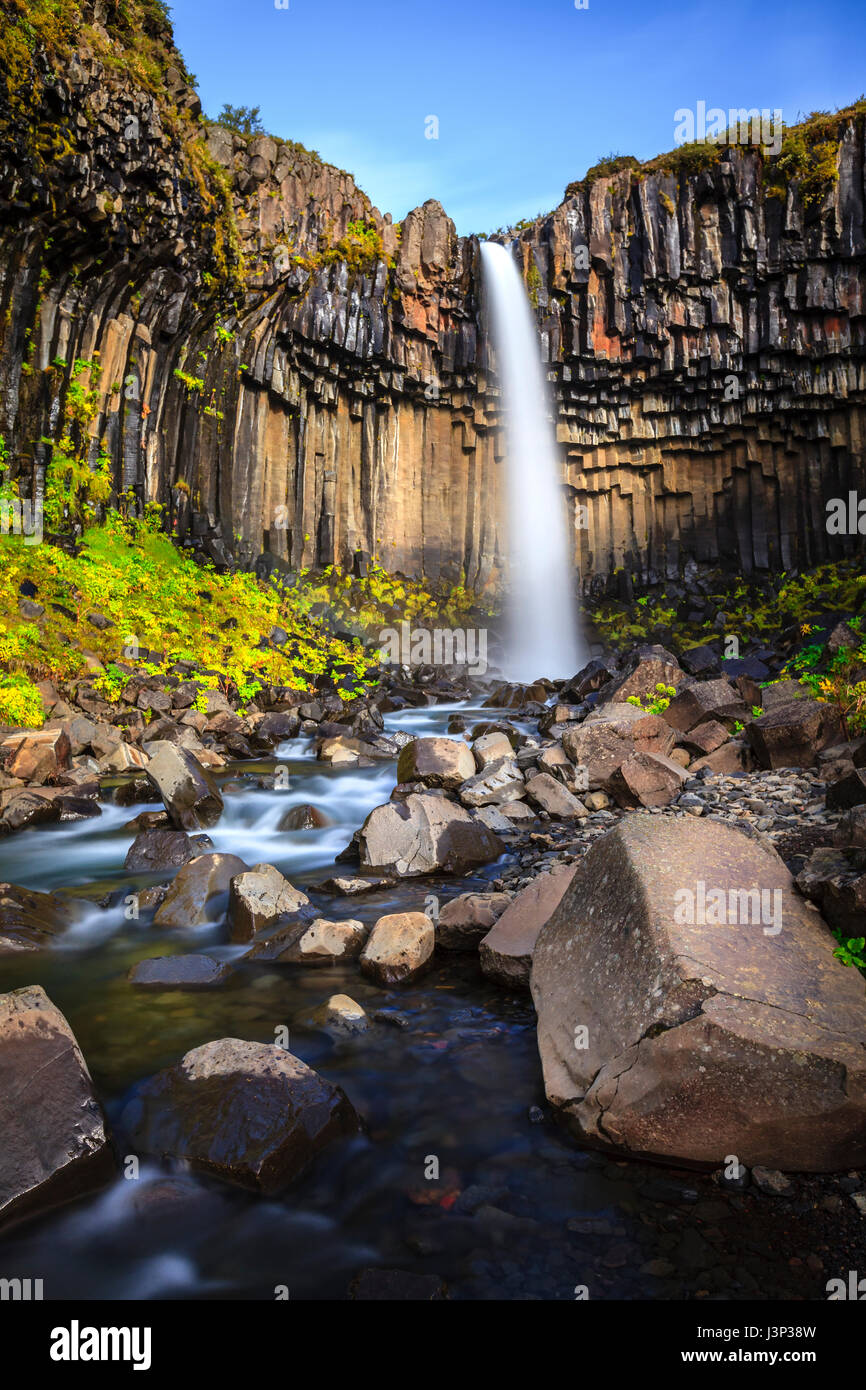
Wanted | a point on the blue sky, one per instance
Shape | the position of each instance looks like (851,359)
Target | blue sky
(528,93)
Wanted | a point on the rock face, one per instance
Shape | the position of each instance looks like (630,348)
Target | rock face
(655,290)
(55,1144)
(506,951)
(660,996)
(423,835)
(249,1113)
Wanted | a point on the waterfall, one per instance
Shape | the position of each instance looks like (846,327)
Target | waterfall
(543,632)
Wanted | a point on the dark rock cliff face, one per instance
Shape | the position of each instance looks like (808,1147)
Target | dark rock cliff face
(283,367)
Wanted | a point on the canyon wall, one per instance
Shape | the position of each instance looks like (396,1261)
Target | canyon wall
(284,368)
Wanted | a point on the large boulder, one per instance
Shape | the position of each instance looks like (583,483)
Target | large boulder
(398,948)
(437,762)
(190,795)
(55,1145)
(246,1112)
(258,898)
(506,951)
(792,735)
(190,901)
(690,1006)
(425,834)
(29,920)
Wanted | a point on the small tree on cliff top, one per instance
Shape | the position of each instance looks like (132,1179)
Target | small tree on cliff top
(243,120)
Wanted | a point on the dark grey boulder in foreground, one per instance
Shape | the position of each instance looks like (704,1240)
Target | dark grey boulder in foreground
(53,1141)
(686,1039)
(247,1112)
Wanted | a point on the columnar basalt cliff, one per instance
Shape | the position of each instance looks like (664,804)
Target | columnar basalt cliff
(286,369)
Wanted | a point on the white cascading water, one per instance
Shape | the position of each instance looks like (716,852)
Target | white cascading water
(543,634)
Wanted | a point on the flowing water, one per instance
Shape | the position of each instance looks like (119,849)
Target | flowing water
(544,637)
(518,1211)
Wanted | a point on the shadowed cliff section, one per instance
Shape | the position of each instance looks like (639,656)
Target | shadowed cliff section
(285,368)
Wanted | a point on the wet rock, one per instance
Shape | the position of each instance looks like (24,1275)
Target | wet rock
(464,920)
(190,795)
(179,972)
(319,943)
(646,780)
(792,735)
(506,951)
(305,818)
(544,791)
(55,1142)
(191,899)
(398,948)
(498,783)
(437,762)
(341,1014)
(29,920)
(423,834)
(651,1016)
(155,850)
(245,1112)
(25,809)
(258,897)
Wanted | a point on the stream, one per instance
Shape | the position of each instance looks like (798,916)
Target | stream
(518,1210)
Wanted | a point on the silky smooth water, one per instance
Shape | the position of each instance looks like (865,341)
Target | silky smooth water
(543,633)
(455,1082)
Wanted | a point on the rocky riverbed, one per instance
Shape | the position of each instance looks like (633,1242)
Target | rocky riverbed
(203,979)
